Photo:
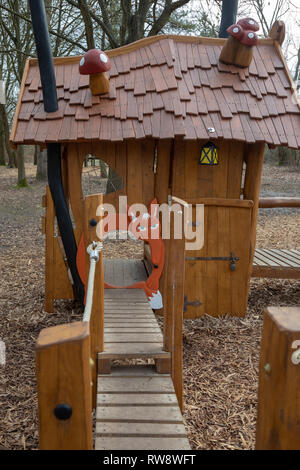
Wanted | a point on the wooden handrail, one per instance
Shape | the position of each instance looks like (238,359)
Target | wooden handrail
(64,387)
(272,202)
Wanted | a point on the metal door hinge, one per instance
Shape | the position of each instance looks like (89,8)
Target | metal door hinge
(195,303)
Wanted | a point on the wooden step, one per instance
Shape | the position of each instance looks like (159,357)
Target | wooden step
(137,409)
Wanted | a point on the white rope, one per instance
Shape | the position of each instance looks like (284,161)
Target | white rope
(93,250)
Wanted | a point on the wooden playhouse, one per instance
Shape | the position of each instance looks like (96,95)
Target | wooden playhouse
(171,105)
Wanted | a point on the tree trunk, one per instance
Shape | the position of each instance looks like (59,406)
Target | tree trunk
(41,171)
(2,146)
(12,159)
(2,152)
(5,125)
(282,156)
(22,182)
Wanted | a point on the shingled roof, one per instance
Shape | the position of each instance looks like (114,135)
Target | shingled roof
(166,87)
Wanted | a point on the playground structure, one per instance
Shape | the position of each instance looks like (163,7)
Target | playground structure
(176,123)
(169,96)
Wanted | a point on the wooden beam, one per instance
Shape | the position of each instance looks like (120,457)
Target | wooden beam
(271,202)
(49,253)
(220,202)
(279,392)
(63,381)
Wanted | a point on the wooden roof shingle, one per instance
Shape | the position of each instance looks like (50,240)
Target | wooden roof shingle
(166,87)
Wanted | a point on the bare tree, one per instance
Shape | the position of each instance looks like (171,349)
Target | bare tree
(124,21)
(16,45)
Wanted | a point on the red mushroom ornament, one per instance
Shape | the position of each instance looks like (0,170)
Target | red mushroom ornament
(238,49)
(249,38)
(96,63)
(235,31)
(249,24)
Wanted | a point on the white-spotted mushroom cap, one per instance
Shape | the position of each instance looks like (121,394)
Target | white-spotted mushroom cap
(248,24)
(94,62)
(249,38)
(235,31)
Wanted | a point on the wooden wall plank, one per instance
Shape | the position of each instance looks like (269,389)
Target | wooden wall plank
(224,284)
(235,169)
(240,229)
(134,172)
(148,177)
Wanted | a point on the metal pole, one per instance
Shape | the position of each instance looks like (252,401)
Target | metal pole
(46,65)
(43,47)
(229,14)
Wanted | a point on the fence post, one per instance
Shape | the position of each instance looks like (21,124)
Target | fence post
(64,387)
(278,423)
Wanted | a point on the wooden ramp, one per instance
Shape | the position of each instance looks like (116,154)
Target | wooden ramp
(131,330)
(277,264)
(137,407)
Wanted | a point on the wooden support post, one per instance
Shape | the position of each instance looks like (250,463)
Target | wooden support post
(278,424)
(175,301)
(163,365)
(254,159)
(91,205)
(162,183)
(64,387)
(49,257)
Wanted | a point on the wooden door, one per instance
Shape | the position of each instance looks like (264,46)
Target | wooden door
(211,286)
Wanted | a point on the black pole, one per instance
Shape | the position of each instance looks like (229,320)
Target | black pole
(45,58)
(229,14)
(63,215)
(42,41)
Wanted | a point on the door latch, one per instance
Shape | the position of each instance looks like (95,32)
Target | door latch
(233,259)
